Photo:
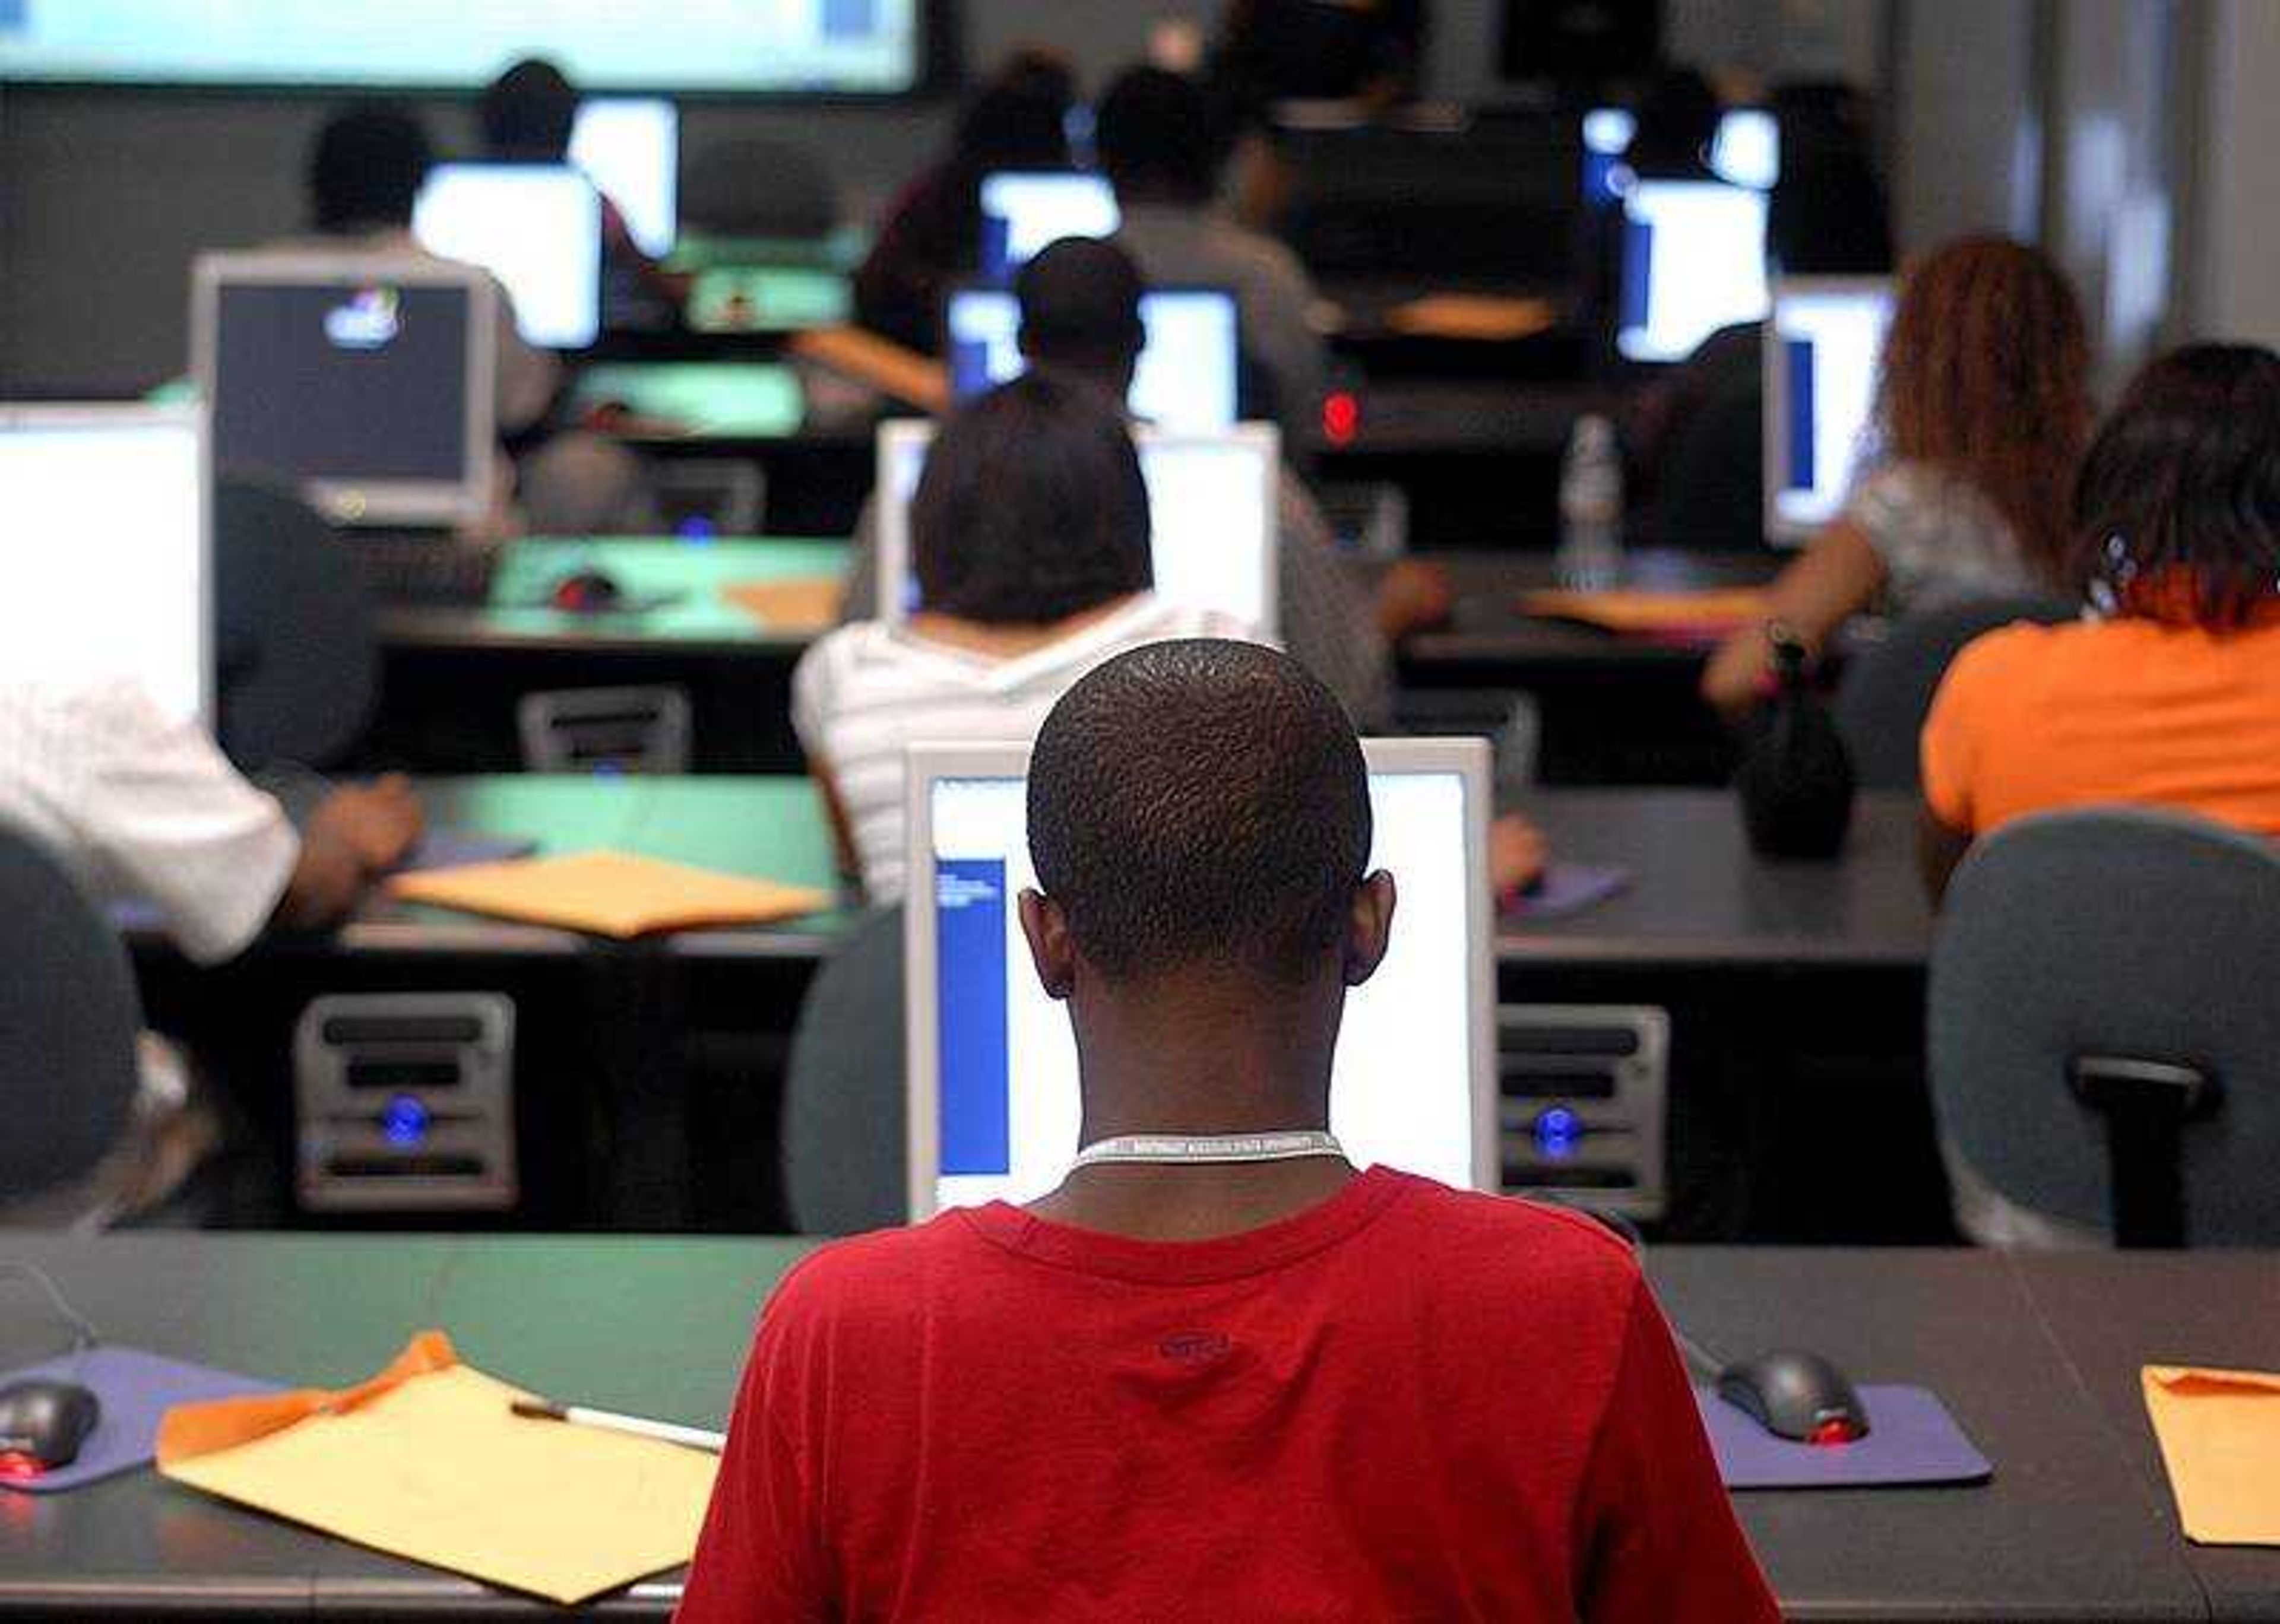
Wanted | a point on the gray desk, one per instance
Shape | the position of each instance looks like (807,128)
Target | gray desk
(2074,1526)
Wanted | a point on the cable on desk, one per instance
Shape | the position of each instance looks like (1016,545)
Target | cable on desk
(84,1336)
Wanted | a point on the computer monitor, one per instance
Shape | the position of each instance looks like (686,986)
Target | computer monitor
(1824,346)
(1694,261)
(105,512)
(1746,150)
(1191,368)
(536,227)
(992,1083)
(629,147)
(1608,135)
(1022,212)
(1214,501)
(365,381)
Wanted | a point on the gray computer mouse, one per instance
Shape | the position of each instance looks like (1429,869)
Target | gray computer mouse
(1795,1395)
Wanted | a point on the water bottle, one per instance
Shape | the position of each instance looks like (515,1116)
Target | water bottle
(1590,557)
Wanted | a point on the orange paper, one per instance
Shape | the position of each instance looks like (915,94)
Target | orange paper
(1708,614)
(2220,1436)
(803,604)
(609,893)
(879,364)
(1477,316)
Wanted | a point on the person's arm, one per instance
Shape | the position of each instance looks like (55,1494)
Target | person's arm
(1947,825)
(1836,577)
(812,706)
(1940,852)
(757,1559)
(1518,855)
(835,813)
(353,837)
(1330,625)
(1659,1536)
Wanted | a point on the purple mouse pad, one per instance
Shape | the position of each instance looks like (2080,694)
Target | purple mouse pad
(1570,887)
(458,848)
(136,1388)
(1912,1440)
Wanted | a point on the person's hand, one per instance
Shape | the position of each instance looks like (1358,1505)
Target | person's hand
(1517,855)
(379,823)
(1412,597)
(1739,675)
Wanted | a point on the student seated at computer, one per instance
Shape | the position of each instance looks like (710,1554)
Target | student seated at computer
(1981,411)
(2171,697)
(1201,1382)
(1163,143)
(1031,536)
(932,237)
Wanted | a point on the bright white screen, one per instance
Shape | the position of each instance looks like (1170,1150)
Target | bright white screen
(536,228)
(1746,151)
(1608,131)
(1034,211)
(1188,376)
(105,535)
(1826,349)
(630,150)
(1694,261)
(1212,507)
(1401,1089)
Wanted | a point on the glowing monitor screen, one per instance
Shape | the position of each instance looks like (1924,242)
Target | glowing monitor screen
(1746,151)
(1608,135)
(1023,213)
(630,149)
(1694,261)
(1214,503)
(536,228)
(105,512)
(1189,371)
(993,1085)
(1824,346)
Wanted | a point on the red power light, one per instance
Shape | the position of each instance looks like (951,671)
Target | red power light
(1340,417)
(16,1465)
(1836,1430)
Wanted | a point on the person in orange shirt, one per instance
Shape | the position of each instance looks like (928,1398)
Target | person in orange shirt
(2171,695)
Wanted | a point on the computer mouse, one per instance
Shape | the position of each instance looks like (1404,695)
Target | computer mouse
(42,1423)
(587,592)
(1795,1395)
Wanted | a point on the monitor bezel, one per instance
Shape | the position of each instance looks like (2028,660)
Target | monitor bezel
(1773,379)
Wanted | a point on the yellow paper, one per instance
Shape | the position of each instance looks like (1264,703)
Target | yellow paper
(2220,1433)
(609,893)
(1472,316)
(437,1468)
(803,604)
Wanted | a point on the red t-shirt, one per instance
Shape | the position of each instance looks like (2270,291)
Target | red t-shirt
(1404,1403)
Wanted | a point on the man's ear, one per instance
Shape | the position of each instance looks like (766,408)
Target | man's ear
(1369,928)
(1052,949)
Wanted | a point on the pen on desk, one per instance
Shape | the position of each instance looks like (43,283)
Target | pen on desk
(663,1432)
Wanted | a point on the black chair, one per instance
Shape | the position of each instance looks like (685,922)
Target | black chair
(295,640)
(844,1158)
(2104,1038)
(69,1022)
(1889,687)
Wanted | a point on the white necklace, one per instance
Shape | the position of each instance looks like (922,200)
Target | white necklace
(1276,1145)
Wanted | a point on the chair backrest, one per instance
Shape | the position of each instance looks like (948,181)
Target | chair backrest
(69,1021)
(298,654)
(605,730)
(1887,689)
(2104,1031)
(845,1160)
(754,187)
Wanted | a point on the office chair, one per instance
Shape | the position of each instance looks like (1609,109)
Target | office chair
(844,1161)
(640,729)
(1888,688)
(295,644)
(69,1021)
(2104,1036)
(754,187)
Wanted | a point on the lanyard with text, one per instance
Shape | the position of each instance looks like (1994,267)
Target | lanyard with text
(1293,1144)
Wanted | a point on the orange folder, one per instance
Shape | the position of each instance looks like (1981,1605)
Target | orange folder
(801,603)
(609,893)
(2220,1436)
(1692,615)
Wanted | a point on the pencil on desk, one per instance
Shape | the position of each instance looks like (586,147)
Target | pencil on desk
(663,1432)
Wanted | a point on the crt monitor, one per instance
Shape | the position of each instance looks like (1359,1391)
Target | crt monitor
(1824,346)
(1608,135)
(1693,261)
(1213,505)
(365,381)
(107,513)
(993,1079)
(1746,150)
(1191,368)
(1022,212)
(536,227)
(629,147)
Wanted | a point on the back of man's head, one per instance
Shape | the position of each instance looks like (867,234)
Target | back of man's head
(367,167)
(527,113)
(1157,134)
(1201,804)
(1080,311)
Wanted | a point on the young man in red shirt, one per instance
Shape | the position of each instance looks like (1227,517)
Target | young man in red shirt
(1278,1389)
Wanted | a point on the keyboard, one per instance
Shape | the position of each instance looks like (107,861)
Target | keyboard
(425,568)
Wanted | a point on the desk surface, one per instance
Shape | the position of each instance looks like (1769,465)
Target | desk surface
(2076,1525)
(1488,628)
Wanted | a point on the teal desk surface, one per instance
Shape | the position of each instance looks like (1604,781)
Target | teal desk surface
(843,250)
(692,576)
(727,299)
(757,400)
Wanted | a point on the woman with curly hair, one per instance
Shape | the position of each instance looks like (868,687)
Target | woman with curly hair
(1982,414)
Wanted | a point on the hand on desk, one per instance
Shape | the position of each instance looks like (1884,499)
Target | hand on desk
(1412,597)
(355,835)
(1517,855)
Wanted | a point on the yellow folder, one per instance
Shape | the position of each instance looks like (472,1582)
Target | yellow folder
(609,893)
(2220,1434)
(428,1461)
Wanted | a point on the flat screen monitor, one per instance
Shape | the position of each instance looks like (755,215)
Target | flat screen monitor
(629,147)
(1824,346)
(993,1070)
(365,381)
(536,227)
(1608,135)
(106,515)
(1746,151)
(1214,503)
(1694,261)
(1190,369)
(1023,212)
